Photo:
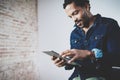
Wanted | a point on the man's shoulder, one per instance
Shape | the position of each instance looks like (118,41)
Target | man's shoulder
(110,22)
(106,19)
(107,22)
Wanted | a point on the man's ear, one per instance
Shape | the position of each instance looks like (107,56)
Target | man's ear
(87,6)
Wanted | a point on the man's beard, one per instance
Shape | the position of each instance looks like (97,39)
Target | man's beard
(85,20)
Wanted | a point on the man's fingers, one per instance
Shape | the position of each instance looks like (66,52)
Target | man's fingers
(53,58)
(61,63)
(57,60)
(72,59)
(65,52)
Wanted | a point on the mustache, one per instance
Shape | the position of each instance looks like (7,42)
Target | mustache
(77,21)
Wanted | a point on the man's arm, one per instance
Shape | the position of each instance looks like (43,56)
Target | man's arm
(112,55)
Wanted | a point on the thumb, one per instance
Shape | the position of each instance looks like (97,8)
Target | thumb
(72,60)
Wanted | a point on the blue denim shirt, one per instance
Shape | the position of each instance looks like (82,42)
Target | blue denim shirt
(104,35)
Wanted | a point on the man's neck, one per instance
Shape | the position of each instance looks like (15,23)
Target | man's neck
(92,19)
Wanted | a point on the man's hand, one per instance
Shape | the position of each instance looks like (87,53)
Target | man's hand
(59,62)
(76,54)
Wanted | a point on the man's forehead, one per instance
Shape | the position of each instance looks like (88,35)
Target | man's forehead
(70,8)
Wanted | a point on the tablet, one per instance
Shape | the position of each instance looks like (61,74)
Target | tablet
(53,53)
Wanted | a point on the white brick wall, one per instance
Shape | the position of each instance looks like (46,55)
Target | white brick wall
(18,39)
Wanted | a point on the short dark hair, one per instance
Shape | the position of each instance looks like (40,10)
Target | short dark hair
(80,3)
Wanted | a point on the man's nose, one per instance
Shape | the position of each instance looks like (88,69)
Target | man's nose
(74,19)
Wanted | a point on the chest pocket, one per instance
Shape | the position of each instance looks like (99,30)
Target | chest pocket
(76,43)
(97,41)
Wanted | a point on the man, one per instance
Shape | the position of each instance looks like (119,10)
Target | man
(95,44)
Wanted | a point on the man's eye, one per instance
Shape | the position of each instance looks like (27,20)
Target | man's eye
(76,12)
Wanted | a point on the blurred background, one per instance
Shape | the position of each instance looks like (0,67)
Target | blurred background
(28,27)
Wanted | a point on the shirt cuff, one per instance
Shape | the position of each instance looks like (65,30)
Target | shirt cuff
(98,53)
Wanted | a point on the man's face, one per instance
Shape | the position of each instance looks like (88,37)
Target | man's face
(80,15)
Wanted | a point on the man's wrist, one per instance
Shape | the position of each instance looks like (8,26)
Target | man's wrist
(92,55)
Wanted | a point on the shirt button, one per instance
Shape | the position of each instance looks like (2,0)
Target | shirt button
(85,42)
(75,41)
(96,38)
